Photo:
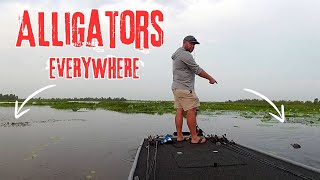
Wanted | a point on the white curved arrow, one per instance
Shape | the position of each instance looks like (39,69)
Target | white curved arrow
(16,110)
(282,117)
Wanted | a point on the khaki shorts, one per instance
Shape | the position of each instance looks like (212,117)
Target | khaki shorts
(185,99)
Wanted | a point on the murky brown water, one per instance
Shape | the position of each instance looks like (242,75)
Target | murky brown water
(66,145)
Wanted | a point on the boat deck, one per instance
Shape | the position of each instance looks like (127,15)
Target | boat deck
(182,160)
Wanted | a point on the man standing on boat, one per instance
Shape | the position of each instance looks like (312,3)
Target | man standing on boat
(185,99)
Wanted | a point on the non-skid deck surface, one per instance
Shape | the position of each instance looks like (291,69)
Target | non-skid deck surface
(185,161)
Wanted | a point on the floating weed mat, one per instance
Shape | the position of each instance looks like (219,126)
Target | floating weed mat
(272,121)
(90,175)
(56,139)
(219,113)
(265,125)
(26,124)
(305,120)
(266,118)
(15,124)
(58,120)
(290,128)
(147,107)
(247,115)
(39,148)
(36,151)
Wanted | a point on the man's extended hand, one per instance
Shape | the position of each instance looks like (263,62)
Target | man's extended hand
(205,75)
(213,81)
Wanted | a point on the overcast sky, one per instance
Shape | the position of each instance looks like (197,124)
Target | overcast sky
(270,46)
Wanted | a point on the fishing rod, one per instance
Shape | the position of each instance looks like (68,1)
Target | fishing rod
(152,141)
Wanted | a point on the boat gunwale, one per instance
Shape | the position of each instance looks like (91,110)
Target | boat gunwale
(281,158)
(135,162)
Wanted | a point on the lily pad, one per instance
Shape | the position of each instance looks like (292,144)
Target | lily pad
(265,125)
(291,127)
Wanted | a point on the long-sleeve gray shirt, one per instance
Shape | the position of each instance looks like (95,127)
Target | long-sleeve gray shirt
(184,69)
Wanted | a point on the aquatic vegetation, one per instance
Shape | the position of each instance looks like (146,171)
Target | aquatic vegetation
(295,111)
(218,113)
(148,107)
(41,147)
(56,139)
(90,176)
(246,114)
(14,124)
(289,128)
(74,106)
(265,120)
(75,109)
(272,121)
(265,125)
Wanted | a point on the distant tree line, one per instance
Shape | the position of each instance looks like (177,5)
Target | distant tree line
(12,97)
(8,97)
(85,99)
(315,101)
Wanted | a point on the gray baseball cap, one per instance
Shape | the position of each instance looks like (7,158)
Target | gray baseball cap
(191,39)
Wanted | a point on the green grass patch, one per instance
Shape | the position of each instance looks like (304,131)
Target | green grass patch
(294,110)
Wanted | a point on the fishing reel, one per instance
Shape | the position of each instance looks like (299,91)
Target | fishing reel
(220,139)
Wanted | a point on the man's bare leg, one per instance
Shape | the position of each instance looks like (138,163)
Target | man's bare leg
(179,123)
(192,124)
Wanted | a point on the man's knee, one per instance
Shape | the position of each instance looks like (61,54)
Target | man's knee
(192,110)
(180,111)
